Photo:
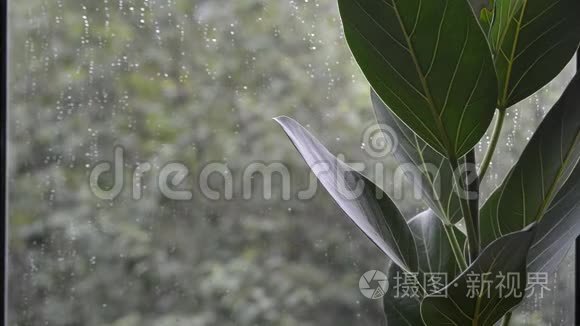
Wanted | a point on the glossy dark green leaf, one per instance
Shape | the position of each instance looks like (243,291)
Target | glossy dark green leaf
(532,41)
(429,61)
(460,307)
(362,201)
(486,19)
(422,164)
(548,160)
(435,256)
(401,310)
(431,240)
(558,229)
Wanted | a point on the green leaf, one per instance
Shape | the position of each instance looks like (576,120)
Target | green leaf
(422,164)
(362,201)
(486,15)
(435,256)
(532,41)
(479,5)
(435,252)
(399,310)
(429,61)
(558,229)
(458,307)
(546,163)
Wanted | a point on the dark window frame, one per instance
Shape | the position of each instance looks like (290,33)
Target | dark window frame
(3,142)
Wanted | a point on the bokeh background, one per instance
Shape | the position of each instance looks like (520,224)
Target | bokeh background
(197,82)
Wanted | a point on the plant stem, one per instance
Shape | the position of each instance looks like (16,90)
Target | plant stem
(473,193)
(506,319)
(469,208)
(494,139)
(455,247)
(471,232)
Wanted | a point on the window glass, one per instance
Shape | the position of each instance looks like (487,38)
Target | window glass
(109,97)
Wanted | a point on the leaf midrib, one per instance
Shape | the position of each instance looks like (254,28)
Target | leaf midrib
(552,191)
(475,320)
(553,187)
(504,99)
(426,89)
(432,183)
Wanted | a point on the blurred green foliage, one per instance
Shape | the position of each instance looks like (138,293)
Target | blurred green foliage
(194,82)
